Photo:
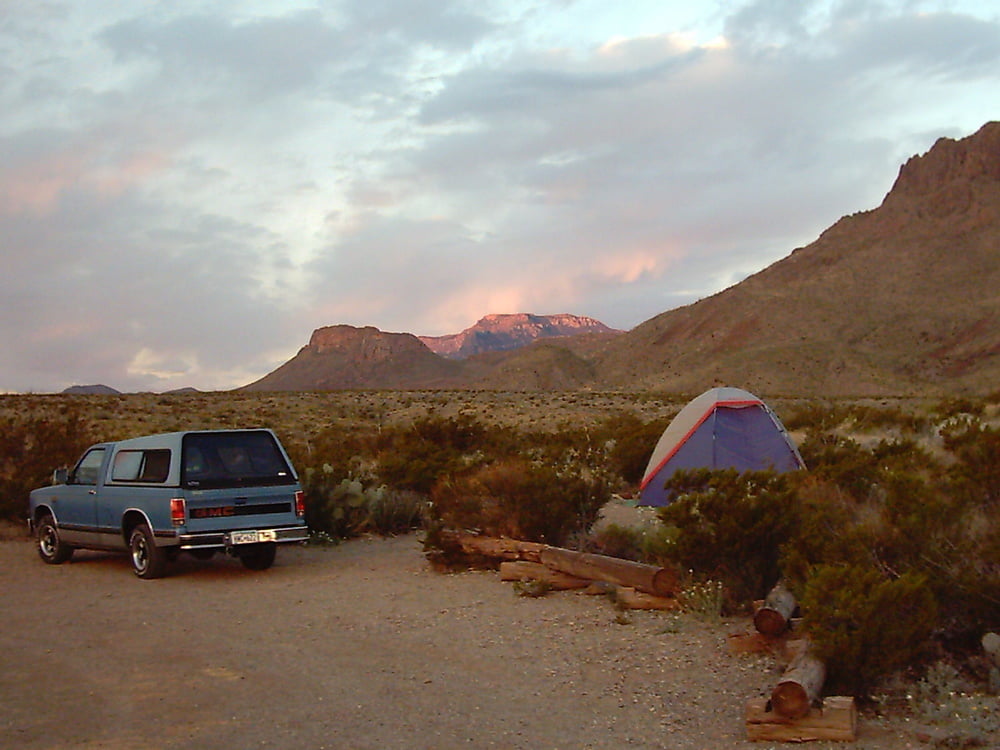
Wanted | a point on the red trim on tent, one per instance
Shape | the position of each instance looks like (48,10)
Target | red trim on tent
(677,446)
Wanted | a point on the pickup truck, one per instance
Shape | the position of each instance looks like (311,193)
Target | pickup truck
(199,492)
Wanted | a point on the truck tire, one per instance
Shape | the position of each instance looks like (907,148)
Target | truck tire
(50,547)
(148,560)
(259,556)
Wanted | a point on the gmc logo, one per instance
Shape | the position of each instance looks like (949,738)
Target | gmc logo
(227,510)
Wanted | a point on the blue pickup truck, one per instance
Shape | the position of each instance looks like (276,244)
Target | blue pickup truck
(153,497)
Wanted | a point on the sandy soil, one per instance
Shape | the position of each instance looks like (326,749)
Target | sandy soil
(356,646)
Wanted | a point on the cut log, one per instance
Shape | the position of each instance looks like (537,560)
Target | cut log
(524,570)
(836,721)
(629,598)
(799,686)
(648,578)
(500,548)
(773,616)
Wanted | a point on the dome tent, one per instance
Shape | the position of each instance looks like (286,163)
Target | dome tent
(723,428)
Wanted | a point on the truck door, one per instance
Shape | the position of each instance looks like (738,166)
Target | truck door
(76,508)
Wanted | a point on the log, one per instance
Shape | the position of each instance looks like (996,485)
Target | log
(836,721)
(500,548)
(524,570)
(799,686)
(629,598)
(774,614)
(648,578)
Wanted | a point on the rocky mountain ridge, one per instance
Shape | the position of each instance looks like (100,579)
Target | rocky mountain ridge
(503,332)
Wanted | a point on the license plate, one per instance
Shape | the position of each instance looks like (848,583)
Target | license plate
(252,537)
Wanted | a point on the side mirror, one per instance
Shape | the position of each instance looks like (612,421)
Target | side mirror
(60,475)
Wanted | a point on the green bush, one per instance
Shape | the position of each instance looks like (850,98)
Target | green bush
(416,457)
(731,526)
(30,449)
(521,500)
(632,442)
(975,474)
(864,626)
(615,540)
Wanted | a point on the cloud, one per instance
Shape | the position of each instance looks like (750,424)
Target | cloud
(187,191)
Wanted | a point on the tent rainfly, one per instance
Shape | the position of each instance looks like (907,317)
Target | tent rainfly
(723,428)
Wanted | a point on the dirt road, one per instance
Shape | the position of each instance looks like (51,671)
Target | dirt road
(355,646)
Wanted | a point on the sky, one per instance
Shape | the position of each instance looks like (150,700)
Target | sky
(189,188)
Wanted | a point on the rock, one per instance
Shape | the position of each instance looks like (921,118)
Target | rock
(991,645)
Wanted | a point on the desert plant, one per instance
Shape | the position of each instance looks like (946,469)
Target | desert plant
(704,599)
(730,527)
(521,500)
(864,625)
(616,540)
(30,448)
(393,511)
(975,474)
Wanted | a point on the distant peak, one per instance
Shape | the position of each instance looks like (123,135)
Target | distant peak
(505,331)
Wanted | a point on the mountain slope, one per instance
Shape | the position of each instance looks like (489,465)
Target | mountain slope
(347,357)
(904,298)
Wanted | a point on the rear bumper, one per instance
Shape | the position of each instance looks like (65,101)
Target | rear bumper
(220,539)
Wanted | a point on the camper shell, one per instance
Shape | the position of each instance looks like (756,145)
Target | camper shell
(156,496)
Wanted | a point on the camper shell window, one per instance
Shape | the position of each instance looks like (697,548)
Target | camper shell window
(141,466)
(233,459)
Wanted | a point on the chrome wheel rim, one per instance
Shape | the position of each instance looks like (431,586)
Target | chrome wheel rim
(47,541)
(140,553)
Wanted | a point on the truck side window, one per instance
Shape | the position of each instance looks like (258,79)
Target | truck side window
(141,466)
(87,469)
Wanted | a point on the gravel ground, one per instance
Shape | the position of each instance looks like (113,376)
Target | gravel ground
(357,646)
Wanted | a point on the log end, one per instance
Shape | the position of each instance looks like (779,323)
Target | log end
(769,622)
(790,699)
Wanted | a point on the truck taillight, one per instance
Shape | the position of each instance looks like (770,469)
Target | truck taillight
(300,503)
(178,510)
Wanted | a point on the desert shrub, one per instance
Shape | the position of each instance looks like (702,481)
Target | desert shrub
(730,527)
(616,540)
(416,457)
(975,474)
(521,500)
(394,511)
(632,442)
(30,448)
(959,406)
(864,626)
(842,461)
(831,527)
(814,416)
(337,507)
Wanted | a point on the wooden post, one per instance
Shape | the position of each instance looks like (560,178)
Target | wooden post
(799,686)
(649,578)
(772,618)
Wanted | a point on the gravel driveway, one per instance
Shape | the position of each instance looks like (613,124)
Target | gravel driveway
(355,646)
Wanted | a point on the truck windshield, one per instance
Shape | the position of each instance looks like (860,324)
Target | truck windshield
(233,459)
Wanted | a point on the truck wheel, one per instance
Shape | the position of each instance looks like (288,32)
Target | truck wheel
(259,556)
(148,560)
(50,547)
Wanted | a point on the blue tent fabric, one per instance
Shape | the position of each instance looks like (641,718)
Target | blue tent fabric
(723,428)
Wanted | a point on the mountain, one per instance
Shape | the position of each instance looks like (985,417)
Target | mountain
(902,299)
(91,390)
(343,356)
(494,333)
